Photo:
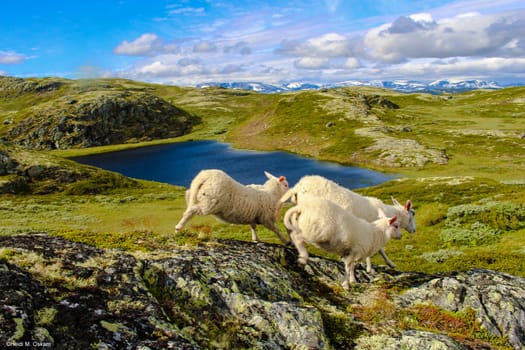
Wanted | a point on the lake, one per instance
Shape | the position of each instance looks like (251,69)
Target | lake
(178,163)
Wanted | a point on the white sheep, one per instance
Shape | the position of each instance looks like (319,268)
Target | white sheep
(323,223)
(361,206)
(214,192)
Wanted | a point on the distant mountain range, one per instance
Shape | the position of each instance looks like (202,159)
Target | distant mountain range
(435,87)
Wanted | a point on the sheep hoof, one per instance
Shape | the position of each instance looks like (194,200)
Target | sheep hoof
(392,265)
(302,261)
(346,285)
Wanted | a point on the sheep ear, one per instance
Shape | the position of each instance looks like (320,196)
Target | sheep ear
(381,213)
(396,203)
(288,195)
(270,176)
(282,178)
(408,205)
(392,220)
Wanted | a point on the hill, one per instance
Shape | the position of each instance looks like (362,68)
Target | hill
(23,171)
(61,114)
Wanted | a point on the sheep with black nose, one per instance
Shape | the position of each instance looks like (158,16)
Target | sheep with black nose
(326,225)
(213,192)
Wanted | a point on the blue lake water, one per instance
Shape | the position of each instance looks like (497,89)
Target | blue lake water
(178,163)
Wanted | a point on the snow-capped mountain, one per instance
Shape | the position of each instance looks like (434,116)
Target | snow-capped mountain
(438,86)
(263,87)
(464,85)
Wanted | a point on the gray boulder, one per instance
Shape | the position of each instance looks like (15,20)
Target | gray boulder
(497,298)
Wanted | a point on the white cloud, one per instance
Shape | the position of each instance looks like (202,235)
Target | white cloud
(327,45)
(351,63)
(145,45)
(430,45)
(312,63)
(240,47)
(205,46)
(187,11)
(163,69)
(10,57)
(461,36)
(464,68)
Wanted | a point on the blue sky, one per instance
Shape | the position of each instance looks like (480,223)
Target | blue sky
(319,41)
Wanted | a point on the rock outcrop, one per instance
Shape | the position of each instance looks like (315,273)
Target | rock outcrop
(97,118)
(398,152)
(11,87)
(25,171)
(59,294)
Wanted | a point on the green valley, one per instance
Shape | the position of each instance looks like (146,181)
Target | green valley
(460,159)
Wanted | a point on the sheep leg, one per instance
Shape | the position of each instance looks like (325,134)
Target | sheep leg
(298,242)
(385,257)
(254,233)
(275,229)
(188,214)
(349,272)
(369,267)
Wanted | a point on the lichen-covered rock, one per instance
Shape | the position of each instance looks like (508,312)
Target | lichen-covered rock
(398,152)
(497,298)
(7,163)
(249,292)
(12,87)
(409,340)
(79,297)
(230,294)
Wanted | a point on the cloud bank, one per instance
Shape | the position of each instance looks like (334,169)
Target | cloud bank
(416,46)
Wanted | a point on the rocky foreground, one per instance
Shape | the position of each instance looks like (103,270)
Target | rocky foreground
(59,294)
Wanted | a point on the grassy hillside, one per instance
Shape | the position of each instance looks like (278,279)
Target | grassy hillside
(80,114)
(461,159)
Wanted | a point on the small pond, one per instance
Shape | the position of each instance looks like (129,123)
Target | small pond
(178,163)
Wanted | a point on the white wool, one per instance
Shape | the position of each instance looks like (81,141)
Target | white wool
(361,206)
(321,222)
(213,192)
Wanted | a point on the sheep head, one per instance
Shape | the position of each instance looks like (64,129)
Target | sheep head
(393,229)
(281,182)
(410,213)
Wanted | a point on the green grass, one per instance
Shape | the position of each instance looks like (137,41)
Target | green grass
(143,218)
(462,223)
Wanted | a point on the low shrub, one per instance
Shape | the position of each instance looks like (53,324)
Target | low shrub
(476,234)
(440,255)
(500,215)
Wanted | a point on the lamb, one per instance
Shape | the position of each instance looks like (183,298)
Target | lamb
(326,225)
(361,206)
(214,192)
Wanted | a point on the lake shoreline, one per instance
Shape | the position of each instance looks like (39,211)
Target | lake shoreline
(196,155)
